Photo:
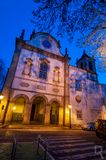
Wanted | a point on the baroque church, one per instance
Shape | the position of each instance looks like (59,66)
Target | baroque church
(42,88)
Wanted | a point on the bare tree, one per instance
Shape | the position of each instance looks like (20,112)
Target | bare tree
(70,17)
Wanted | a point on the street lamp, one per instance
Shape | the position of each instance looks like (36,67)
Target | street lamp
(14,108)
(1,97)
(69,106)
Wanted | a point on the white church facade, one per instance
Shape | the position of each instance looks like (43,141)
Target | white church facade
(41,86)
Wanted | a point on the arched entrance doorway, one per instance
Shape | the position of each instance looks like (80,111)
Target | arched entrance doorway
(38,111)
(18,109)
(54,113)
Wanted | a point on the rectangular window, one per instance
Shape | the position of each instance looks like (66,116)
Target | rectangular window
(78,85)
(79,114)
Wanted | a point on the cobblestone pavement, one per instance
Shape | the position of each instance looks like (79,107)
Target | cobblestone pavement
(24,151)
(5,151)
(73,148)
(27,151)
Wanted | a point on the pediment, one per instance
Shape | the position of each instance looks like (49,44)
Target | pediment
(45,42)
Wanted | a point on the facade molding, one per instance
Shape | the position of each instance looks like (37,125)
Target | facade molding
(37,92)
(40,82)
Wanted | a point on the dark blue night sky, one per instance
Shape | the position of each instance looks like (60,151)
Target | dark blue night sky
(15,15)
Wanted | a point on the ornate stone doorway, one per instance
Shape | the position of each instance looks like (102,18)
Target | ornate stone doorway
(54,113)
(38,111)
(18,109)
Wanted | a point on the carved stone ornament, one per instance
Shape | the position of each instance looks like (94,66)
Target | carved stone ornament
(78,98)
(55,90)
(23,84)
(41,87)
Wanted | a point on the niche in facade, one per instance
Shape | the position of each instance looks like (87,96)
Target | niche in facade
(27,66)
(56,74)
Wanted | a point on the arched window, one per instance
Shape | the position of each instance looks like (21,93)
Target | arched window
(43,70)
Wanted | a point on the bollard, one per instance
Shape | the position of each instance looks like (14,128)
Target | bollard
(13,149)
(44,144)
(39,137)
(46,149)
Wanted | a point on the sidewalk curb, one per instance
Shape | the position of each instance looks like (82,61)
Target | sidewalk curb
(37,127)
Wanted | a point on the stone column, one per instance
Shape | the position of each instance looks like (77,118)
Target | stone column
(1,111)
(27,111)
(9,113)
(47,114)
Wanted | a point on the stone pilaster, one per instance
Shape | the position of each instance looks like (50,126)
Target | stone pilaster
(47,115)
(8,116)
(66,89)
(1,111)
(26,114)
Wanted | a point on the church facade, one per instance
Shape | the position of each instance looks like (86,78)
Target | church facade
(42,88)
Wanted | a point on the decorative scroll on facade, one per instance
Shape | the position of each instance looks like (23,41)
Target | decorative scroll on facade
(55,90)
(41,87)
(23,84)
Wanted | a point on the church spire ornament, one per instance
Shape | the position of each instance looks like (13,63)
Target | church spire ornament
(22,34)
(32,34)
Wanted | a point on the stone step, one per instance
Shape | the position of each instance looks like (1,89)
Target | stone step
(76,149)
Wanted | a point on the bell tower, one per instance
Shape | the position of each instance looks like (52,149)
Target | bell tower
(87,63)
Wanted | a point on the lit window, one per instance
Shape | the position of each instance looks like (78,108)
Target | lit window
(43,70)
(56,74)
(27,66)
(78,85)
(79,114)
